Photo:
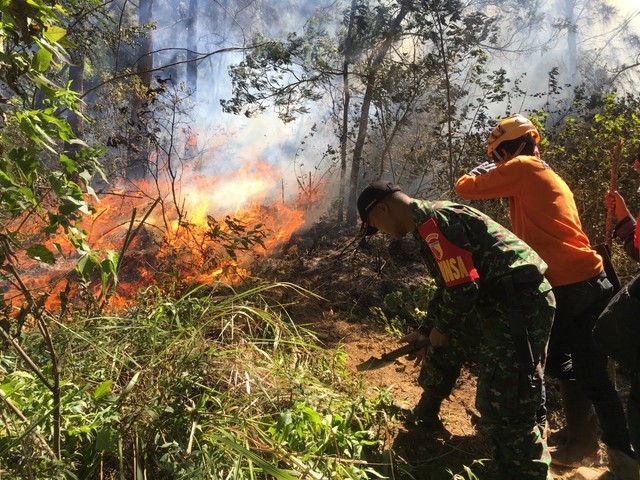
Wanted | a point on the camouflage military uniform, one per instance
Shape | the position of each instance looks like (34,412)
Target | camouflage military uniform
(482,268)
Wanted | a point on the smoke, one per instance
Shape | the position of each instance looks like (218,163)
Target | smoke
(226,143)
(584,40)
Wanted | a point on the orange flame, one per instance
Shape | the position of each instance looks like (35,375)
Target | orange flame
(200,230)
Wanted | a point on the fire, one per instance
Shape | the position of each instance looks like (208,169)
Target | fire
(198,230)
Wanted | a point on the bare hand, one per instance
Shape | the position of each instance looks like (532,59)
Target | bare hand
(419,356)
(614,201)
(438,339)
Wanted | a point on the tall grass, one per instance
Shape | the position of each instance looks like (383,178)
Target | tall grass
(217,384)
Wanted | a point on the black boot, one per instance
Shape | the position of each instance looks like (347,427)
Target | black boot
(427,412)
(581,428)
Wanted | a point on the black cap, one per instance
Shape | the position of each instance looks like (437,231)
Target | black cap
(369,198)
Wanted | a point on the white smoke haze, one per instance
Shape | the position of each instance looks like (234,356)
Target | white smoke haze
(583,39)
(229,142)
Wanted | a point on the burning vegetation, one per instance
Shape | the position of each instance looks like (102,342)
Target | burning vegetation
(212,235)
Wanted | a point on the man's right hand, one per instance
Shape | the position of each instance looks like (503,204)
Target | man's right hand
(419,356)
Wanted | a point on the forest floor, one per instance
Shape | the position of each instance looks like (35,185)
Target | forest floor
(352,278)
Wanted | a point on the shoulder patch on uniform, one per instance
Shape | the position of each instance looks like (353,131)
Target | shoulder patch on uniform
(455,263)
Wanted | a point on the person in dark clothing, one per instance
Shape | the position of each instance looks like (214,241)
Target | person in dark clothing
(617,330)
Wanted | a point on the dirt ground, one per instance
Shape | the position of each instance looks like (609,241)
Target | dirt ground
(353,278)
(464,440)
(432,456)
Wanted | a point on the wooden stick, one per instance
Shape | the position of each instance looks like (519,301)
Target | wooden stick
(613,181)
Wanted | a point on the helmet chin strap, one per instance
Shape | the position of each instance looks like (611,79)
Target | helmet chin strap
(500,158)
(519,150)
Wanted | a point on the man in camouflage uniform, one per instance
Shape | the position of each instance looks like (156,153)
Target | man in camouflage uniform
(480,267)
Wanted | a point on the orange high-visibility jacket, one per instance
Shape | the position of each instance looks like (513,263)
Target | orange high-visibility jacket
(543,214)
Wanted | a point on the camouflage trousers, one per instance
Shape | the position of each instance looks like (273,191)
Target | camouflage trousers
(508,396)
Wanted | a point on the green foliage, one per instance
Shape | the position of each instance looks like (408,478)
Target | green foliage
(236,237)
(323,439)
(202,386)
(411,303)
(264,78)
(580,150)
(39,177)
(407,306)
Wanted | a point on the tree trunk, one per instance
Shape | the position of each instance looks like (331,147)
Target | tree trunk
(344,134)
(359,148)
(137,161)
(572,41)
(145,62)
(392,35)
(447,83)
(192,42)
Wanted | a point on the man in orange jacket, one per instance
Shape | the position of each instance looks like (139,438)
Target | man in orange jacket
(544,214)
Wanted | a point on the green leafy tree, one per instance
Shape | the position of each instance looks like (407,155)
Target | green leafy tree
(580,148)
(40,180)
(42,184)
(389,62)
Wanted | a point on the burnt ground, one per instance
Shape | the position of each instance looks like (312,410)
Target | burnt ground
(353,279)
